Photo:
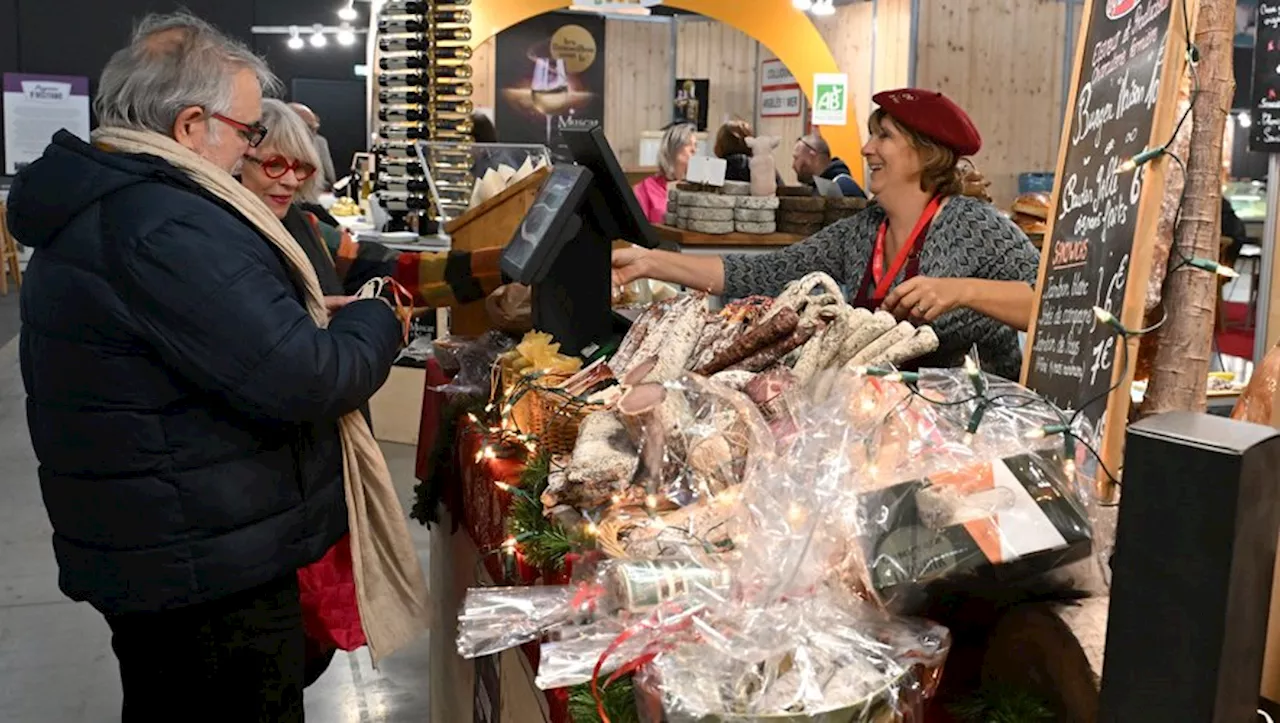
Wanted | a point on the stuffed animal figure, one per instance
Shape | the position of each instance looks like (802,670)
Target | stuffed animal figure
(764,170)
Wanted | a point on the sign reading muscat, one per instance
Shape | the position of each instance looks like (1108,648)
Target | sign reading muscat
(830,99)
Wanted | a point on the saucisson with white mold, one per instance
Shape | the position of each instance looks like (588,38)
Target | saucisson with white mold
(639,372)
(775,328)
(735,379)
(797,294)
(871,328)
(924,341)
(604,461)
(734,320)
(680,313)
(904,330)
(681,338)
(636,335)
(775,352)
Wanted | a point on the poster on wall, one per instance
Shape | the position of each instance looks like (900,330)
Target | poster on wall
(36,107)
(830,99)
(691,101)
(780,94)
(549,71)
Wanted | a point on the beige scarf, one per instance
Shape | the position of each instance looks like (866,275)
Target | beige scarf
(390,588)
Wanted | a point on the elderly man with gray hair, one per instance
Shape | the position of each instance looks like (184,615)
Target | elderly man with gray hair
(811,158)
(192,396)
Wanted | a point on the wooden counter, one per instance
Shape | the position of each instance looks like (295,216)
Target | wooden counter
(693,238)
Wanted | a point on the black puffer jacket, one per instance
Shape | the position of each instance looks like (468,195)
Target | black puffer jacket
(182,404)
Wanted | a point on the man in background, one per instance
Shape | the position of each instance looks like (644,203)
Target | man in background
(322,143)
(811,158)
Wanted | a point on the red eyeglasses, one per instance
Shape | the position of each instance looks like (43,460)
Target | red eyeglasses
(276,166)
(252,132)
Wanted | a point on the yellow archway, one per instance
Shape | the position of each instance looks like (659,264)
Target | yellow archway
(774,23)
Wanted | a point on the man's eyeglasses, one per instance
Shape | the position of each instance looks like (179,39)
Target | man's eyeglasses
(276,166)
(252,132)
(808,145)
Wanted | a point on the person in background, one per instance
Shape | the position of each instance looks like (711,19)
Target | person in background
(482,128)
(678,146)
(811,158)
(322,148)
(1234,229)
(731,145)
(185,409)
(924,252)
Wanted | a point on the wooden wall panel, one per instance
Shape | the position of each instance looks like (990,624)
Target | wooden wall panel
(1002,61)
(725,56)
(638,83)
(892,44)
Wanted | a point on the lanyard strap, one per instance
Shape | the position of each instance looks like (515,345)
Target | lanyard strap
(910,248)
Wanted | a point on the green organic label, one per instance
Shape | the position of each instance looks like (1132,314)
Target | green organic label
(830,97)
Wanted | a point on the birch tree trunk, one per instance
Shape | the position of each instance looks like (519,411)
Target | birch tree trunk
(1179,374)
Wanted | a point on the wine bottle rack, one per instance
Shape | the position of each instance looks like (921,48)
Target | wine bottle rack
(424,94)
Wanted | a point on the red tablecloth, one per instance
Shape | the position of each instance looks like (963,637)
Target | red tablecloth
(473,500)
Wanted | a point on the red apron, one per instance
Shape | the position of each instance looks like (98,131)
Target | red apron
(877,280)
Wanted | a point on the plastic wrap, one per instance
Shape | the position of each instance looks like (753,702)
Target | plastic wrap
(500,618)
(471,361)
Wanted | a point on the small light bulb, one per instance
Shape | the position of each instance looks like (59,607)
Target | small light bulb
(296,42)
(868,404)
(651,501)
(1037,433)
(318,40)
(509,545)
(592,530)
(348,13)
(617,499)
(970,366)
(795,513)
(489,453)
(502,485)
(346,37)
(1103,316)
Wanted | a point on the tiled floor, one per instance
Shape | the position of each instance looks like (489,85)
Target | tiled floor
(56,664)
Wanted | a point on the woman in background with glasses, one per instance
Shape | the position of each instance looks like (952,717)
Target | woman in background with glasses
(280,170)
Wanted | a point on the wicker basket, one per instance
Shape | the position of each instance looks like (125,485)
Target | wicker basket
(543,413)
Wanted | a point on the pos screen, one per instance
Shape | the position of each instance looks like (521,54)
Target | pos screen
(548,225)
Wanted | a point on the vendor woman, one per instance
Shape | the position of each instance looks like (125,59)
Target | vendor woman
(922,251)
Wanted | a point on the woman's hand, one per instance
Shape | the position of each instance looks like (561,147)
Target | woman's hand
(629,264)
(923,299)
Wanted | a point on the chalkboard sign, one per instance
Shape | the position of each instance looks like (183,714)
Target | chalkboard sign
(1264,133)
(1123,93)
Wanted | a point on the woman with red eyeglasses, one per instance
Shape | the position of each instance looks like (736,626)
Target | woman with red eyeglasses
(280,170)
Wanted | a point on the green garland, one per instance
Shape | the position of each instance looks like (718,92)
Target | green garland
(544,543)
(996,703)
(619,703)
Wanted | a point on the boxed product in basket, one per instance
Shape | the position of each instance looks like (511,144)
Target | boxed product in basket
(1008,519)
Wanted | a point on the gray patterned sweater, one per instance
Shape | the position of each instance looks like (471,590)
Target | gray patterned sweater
(968,239)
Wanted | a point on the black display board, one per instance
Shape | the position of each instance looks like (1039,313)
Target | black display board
(1264,103)
(1103,221)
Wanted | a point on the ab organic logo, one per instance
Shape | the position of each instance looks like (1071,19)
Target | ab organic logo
(830,98)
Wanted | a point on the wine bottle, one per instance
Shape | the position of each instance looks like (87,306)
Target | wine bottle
(402,62)
(409,131)
(402,113)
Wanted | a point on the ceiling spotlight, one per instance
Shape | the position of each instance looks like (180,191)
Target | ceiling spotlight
(318,40)
(348,13)
(823,8)
(295,40)
(346,36)
(802,5)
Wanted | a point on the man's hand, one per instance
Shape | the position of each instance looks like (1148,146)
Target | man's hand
(629,264)
(923,299)
(334,303)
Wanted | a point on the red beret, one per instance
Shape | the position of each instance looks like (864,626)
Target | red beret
(934,115)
